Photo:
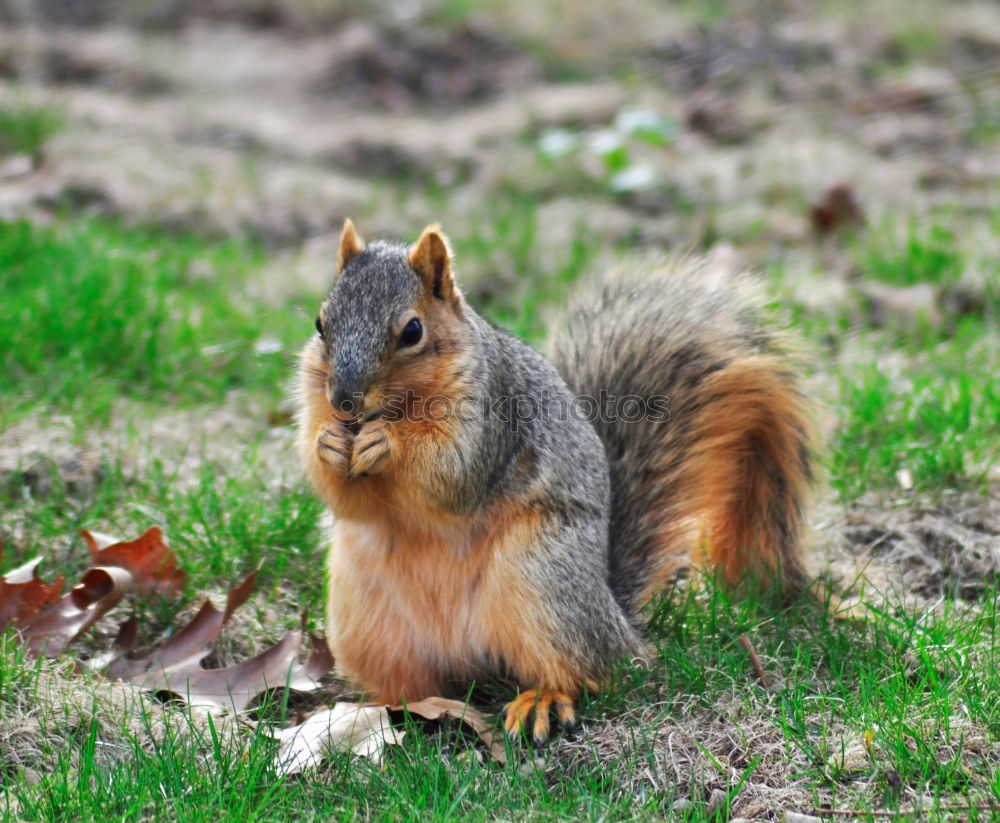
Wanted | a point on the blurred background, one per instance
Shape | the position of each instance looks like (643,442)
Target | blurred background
(174,174)
(541,133)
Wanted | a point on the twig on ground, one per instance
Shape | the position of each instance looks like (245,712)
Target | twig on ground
(755,660)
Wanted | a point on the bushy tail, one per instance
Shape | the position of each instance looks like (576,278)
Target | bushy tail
(722,476)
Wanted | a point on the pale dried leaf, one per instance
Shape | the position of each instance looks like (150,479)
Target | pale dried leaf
(363,730)
(176,665)
(234,687)
(189,645)
(24,573)
(98,540)
(852,756)
(797,817)
(434,708)
(101,583)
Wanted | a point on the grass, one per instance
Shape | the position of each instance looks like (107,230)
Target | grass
(223,521)
(922,688)
(916,394)
(91,312)
(152,319)
(934,418)
(26,129)
(925,254)
(515,288)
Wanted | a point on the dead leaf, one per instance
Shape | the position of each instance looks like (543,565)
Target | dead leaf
(364,730)
(17,165)
(718,119)
(128,635)
(176,665)
(47,620)
(51,629)
(188,646)
(838,209)
(901,98)
(97,540)
(148,558)
(99,583)
(852,756)
(796,817)
(234,687)
(905,479)
(23,594)
(434,708)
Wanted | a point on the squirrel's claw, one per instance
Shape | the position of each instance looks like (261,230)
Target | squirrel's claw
(334,446)
(541,702)
(371,450)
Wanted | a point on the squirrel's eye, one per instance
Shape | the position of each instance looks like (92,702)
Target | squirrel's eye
(411,334)
(319,329)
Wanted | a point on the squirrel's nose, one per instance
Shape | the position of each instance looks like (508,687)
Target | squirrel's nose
(347,401)
(349,385)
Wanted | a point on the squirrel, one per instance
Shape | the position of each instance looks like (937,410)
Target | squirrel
(484,526)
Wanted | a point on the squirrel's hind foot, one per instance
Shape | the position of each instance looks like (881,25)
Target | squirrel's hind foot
(540,701)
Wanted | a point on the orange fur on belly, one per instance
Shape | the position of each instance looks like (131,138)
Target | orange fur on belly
(408,608)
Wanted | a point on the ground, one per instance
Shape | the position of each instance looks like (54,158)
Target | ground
(173,177)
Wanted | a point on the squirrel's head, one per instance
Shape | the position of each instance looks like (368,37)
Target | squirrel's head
(391,322)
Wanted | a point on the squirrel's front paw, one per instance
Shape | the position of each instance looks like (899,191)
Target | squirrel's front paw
(372,449)
(334,447)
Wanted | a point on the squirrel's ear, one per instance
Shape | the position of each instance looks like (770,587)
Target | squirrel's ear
(431,259)
(350,245)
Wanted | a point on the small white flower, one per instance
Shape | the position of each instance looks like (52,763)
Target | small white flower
(267,345)
(557,142)
(605,141)
(633,178)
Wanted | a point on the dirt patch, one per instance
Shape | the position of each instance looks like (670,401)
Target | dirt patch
(404,68)
(705,752)
(47,718)
(732,55)
(172,14)
(47,449)
(951,549)
(63,66)
(702,752)
(77,473)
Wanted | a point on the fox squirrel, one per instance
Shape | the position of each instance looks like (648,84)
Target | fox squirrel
(483,525)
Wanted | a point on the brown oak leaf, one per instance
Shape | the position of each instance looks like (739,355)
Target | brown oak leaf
(175,666)
(23,594)
(148,558)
